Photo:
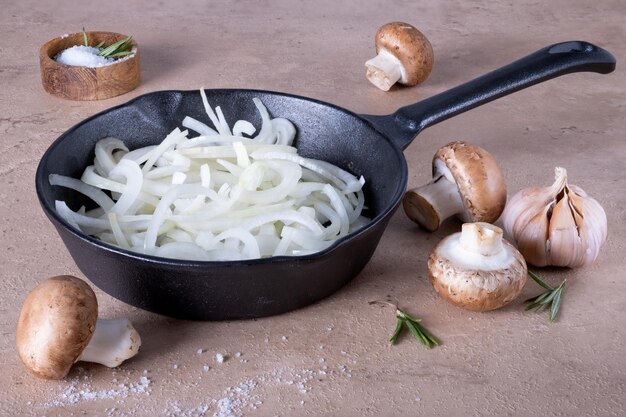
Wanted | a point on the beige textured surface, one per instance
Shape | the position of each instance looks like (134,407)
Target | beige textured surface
(333,358)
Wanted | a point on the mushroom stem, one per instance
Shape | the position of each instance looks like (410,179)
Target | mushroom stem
(384,70)
(432,203)
(481,238)
(113,341)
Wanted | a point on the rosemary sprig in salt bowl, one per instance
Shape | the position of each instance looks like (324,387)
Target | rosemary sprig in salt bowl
(117,49)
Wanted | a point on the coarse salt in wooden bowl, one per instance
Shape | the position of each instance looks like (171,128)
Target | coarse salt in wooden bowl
(86,83)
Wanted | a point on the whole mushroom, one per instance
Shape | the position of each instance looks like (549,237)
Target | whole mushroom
(467,182)
(59,325)
(404,55)
(476,269)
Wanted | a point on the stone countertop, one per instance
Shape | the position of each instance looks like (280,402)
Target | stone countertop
(333,358)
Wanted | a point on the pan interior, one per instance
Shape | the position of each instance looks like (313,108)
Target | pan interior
(323,132)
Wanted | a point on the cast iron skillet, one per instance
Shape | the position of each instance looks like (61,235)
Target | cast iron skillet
(365,145)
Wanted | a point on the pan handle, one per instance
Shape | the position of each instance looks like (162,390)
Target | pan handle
(550,62)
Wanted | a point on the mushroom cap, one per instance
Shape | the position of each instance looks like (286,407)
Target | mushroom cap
(410,46)
(479,179)
(57,321)
(466,285)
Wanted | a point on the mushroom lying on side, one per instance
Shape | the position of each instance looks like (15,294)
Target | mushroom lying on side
(59,325)
(467,182)
(476,269)
(404,55)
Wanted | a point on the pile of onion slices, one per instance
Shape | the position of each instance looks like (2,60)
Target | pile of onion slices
(224,195)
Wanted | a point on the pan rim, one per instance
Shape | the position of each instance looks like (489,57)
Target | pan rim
(173,262)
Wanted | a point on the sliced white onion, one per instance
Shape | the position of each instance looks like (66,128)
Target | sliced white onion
(169,142)
(182,250)
(242,154)
(96,194)
(284,131)
(222,121)
(212,115)
(104,154)
(243,127)
(134,180)
(120,238)
(198,126)
(218,196)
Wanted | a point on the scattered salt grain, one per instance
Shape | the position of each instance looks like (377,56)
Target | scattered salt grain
(284,337)
(175,366)
(199,351)
(234,401)
(344,370)
(175,409)
(78,391)
(243,396)
(235,398)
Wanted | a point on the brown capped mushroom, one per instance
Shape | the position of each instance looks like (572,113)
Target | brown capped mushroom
(404,55)
(476,269)
(59,325)
(467,182)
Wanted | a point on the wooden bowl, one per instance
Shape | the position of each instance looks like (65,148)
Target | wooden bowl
(82,83)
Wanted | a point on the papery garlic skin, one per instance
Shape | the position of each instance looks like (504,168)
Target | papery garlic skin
(559,225)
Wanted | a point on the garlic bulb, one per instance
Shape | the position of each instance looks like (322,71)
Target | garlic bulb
(558,225)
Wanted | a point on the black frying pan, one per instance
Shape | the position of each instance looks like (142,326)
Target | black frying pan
(365,145)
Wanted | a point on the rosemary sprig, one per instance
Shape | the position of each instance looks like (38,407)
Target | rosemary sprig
(551,297)
(118,49)
(403,320)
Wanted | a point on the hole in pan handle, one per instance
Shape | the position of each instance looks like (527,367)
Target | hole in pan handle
(547,63)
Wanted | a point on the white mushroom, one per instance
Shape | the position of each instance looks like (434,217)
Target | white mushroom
(404,55)
(59,325)
(467,182)
(476,269)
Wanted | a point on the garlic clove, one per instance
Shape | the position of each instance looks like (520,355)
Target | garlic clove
(575,205)
(593,212)
(594,230)
(518,214)
(564,240)
(531,239)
